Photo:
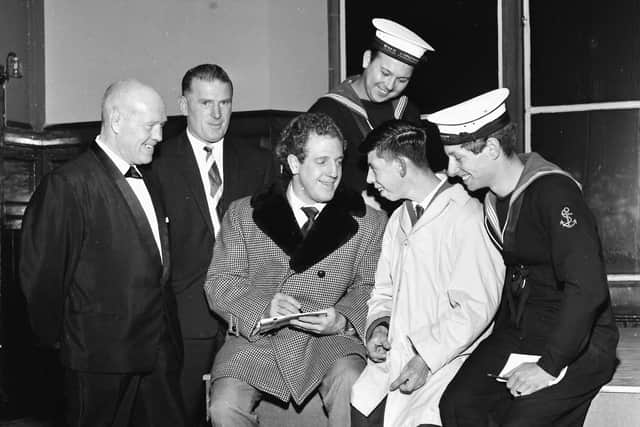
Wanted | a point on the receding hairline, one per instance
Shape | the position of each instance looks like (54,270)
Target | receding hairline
(125,95)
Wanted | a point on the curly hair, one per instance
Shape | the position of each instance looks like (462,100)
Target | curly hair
(295,135)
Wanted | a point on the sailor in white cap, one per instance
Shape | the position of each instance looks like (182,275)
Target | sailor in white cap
(555,305)
(366,100)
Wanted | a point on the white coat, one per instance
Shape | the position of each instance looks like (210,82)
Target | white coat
(440,283)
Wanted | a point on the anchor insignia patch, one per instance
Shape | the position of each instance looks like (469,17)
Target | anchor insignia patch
(567,220)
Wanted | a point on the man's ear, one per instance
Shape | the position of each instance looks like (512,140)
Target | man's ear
(493,147)
(401,165)
(294,163)
(115,120)
(366,58)
(182,103)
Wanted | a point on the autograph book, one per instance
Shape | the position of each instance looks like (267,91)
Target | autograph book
(271,323)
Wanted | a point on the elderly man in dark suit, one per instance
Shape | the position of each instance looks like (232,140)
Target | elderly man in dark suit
(300,247)
(200,172)
(94,269)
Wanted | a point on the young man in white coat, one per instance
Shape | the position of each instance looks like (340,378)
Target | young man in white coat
(437,286)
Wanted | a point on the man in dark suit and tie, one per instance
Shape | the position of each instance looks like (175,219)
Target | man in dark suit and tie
(94,269)
(200,173)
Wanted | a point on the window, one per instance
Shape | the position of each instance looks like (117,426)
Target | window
(582,111)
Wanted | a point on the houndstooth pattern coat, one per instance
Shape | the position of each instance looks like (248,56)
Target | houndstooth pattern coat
(260,251)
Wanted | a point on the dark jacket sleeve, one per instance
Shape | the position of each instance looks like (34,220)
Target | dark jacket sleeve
(51,238)
(579,267)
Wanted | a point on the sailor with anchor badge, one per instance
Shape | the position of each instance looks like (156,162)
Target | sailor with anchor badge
(555,302)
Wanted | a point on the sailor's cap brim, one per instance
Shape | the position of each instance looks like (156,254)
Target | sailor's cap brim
(472,119)
(400,41)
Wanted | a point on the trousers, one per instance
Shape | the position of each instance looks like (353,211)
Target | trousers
(233,402)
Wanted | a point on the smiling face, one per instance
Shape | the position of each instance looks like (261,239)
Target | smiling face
(316,178)
(476,170)
(385,78)
(384,174)
(139,127)
(207,106)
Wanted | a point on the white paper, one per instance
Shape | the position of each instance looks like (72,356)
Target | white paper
(370,388)
(517,359)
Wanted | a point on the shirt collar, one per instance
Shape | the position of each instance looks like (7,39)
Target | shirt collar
(121,164)
(425,202)
(297,204)
(198,145)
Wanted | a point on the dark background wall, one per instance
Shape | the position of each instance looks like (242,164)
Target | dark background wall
(464,34)
(588,52)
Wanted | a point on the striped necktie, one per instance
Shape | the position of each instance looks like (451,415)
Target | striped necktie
(214,173)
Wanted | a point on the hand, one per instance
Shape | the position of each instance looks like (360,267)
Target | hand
(527,378)
(281,305)
(378,344)
(329,324)
(412,377)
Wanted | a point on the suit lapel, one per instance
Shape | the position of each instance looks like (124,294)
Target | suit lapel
(139,217)
(334,226)
(163,229)
(188,166)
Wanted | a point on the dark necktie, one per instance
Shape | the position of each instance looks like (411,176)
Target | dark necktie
(133,172)
(311,213)
(214,173)
(419,212)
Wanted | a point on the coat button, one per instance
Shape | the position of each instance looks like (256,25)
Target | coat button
(321,273)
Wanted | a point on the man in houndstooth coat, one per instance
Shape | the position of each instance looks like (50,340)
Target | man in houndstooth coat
(267,264)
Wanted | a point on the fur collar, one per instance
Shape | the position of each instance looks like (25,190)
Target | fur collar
(334,226)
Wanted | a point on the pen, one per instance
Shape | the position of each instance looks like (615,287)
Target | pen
(497,377)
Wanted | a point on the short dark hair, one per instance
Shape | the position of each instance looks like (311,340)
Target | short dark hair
(206,72)
(506,136)
(295,135)
(398,138)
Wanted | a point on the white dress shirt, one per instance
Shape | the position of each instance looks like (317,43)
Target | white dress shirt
(200,154)
(297,205)
(139,189)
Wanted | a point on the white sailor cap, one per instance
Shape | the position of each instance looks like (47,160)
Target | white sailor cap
(472,119)
(398,41)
